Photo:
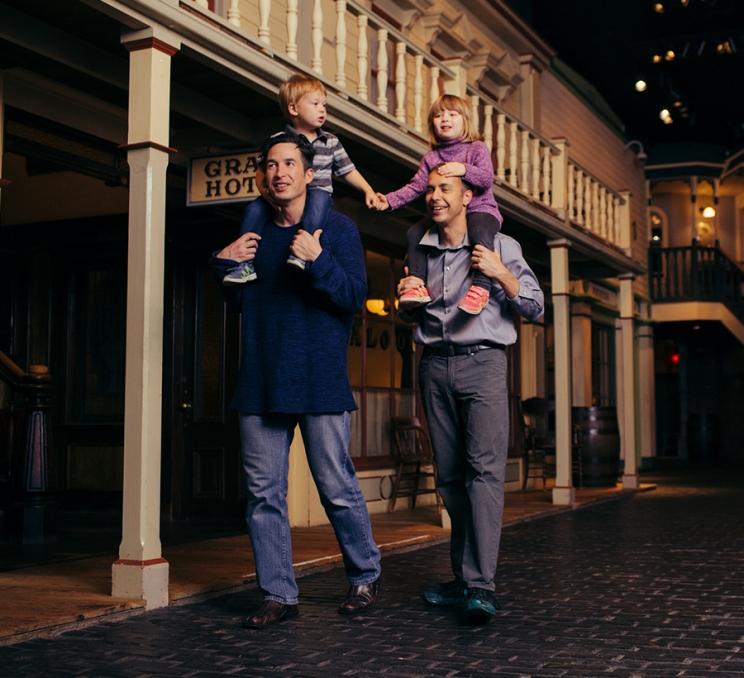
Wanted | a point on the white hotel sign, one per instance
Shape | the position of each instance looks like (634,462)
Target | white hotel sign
(223,178)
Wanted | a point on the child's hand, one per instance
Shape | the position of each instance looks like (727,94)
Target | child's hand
(382,203)
(452,169)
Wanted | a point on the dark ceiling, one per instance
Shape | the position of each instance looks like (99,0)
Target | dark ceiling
(611,44)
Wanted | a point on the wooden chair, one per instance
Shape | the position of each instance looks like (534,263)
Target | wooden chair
(539,441)
(411,452)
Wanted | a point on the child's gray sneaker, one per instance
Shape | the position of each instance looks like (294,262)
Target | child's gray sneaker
(240,274)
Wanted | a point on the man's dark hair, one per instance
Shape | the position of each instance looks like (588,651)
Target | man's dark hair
(307,153)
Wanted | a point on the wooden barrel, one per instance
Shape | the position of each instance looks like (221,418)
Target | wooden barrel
(600,446)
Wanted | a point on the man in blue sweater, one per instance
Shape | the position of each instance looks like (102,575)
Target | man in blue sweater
(296,326)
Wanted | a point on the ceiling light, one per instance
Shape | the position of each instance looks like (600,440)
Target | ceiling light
(664,113)
(656,58)
(724,47)
(668,121)
(669,55)
(677,104)
(709,212)
(658,7)
(640,86)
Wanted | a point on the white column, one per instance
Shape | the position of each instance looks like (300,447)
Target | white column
(500,146)
(418,92)
(546,175)
(382,69)
(317,37)
(233,13)
(292,29)
(488,126)
(513,154)
(535,163)
(563,492)
(400,82)
(646,390)
(341,43)
(264,10)
(524,169)
(433,84)
(559,178)
(141,571)
(362,59)
(474,118)
(627,348)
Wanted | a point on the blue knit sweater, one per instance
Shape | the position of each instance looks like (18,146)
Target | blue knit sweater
(296,324)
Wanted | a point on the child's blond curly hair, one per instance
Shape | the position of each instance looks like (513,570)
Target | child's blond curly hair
(451,102)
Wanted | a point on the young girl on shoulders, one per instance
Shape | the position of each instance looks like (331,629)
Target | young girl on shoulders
(457,151)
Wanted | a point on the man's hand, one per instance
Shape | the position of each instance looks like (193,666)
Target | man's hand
(409,282)
(489,263)
(452,169)
(242,249)
(305,246)
(371,200)
(382,203)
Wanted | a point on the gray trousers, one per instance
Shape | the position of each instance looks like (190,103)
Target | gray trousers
(467,410)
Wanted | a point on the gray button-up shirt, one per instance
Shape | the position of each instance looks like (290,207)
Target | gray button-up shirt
(449,276)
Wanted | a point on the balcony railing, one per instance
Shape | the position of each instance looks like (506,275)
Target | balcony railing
(695,273)
(594,206)
(370,61)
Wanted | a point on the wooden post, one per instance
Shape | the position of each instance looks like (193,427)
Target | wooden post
(627,349)
(141,571)
(559,178)
(341,43)
(563,492)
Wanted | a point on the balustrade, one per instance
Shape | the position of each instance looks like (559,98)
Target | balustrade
(594,206)
(363,49)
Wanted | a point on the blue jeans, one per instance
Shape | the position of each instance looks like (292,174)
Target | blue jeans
(265,441)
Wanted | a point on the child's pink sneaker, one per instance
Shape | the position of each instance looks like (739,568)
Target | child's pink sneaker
(415,296)
(475,300)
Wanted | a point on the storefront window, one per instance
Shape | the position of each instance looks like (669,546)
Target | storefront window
(381,364)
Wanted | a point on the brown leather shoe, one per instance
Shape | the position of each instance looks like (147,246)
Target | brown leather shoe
(361,597)
(270,612)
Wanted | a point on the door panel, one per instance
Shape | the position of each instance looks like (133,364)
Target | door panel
(204,457)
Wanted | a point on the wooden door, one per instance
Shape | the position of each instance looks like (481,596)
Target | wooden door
(202,463)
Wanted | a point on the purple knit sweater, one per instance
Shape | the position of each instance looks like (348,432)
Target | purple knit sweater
(478,173)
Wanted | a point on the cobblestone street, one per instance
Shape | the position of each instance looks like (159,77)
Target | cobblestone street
(648,586)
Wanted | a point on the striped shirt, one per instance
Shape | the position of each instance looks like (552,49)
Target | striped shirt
(331,159)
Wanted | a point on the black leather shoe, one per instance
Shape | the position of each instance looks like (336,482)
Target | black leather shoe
(361,597)
(270,612)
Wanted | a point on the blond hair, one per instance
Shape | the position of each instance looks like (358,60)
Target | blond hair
(296,87)
(450,102)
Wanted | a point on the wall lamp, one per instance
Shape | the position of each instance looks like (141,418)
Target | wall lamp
(640,154)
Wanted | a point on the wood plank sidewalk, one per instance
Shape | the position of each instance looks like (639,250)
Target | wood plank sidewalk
(47,599)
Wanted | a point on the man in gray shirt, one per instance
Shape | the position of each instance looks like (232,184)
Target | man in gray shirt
(464,388)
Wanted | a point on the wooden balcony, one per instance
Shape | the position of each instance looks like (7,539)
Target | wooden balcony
(371,64)
(696,283)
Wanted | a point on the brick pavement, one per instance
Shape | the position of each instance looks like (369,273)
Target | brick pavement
(648,586)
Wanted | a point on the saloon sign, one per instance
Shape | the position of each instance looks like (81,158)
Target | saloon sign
(223,178)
